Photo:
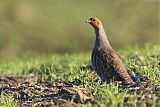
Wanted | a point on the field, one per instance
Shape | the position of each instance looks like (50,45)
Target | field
(69,80)
(50,26)
(45,51)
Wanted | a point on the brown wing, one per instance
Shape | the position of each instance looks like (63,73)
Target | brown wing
(116,63)
(108,65)
(100,65)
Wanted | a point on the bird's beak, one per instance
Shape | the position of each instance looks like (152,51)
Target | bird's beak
(88,21)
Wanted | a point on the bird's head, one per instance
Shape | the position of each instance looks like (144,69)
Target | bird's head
(95,22)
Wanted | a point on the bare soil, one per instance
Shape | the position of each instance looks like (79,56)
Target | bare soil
(29,91)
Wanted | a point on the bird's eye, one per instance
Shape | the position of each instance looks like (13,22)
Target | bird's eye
(93,20)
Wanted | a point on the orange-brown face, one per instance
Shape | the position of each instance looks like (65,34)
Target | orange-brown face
(95,22)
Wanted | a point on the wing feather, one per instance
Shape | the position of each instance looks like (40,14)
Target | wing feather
(108,65)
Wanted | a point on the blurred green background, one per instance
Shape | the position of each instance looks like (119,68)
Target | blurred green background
(58,26)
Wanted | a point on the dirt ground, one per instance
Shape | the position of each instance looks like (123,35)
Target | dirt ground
(29,91)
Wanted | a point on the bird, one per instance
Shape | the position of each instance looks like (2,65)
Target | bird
(105,61)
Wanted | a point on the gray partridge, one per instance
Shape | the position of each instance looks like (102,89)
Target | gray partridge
(105,60)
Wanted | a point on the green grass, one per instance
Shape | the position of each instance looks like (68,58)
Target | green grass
(59,26)
(144,60)
(7,101)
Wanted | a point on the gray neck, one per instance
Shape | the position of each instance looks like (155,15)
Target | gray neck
(101,38)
